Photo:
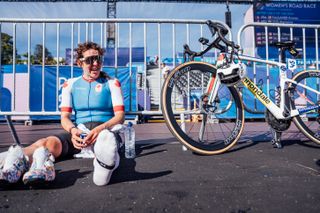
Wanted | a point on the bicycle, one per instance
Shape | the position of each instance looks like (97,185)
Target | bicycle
(215,123)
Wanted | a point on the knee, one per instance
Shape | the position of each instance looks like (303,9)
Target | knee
(106,142)
(51,143)
(40,142)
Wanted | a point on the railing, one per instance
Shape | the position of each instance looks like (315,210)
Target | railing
(152,34)
(306,37)
(94,27)
(161,37)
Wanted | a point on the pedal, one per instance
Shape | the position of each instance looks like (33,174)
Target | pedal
(276,141)
(276,144)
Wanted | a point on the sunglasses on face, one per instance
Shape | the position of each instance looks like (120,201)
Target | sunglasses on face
(91,59)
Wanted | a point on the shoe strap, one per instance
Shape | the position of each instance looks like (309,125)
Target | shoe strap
(105,165)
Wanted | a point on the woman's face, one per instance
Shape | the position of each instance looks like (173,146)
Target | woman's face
(91,64)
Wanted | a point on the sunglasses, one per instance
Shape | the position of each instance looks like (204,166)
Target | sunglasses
(91,59)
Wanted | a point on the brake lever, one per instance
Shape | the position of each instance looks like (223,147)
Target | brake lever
(211,27)
(204,41)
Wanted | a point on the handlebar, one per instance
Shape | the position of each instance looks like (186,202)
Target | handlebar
(214,28)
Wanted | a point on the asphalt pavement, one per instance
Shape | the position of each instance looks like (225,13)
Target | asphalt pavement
(252,177)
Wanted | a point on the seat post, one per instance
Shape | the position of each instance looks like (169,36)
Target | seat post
(283,54)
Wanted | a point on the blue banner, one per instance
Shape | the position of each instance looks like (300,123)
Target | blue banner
(51,91)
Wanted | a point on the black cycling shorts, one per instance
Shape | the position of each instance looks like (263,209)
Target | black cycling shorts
(68,150)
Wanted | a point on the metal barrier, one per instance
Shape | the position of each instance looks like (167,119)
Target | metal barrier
(80,30)
(150,33)
(90,25)
(247,38)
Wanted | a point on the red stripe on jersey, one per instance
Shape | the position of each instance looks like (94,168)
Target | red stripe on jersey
(66,109)
(118,108)
(117,83)
(65,84)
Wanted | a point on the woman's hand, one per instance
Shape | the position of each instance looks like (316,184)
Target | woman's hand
(93,135)
(77,142)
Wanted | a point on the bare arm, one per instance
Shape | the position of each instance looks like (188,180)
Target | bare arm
(67,124)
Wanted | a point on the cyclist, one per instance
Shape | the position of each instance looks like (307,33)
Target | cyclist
(97,102)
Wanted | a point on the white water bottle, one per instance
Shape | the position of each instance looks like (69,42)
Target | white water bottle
(130,140)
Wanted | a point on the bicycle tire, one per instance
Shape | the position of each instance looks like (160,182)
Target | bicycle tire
(229,111)
(308,124)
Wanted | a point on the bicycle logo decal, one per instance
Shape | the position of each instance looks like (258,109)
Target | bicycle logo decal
(256,91)
(234,133)
(292,64)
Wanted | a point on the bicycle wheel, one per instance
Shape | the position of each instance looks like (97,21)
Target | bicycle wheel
(309,123)
(203,128)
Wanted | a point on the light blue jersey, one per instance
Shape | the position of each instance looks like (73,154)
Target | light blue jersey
(94,101)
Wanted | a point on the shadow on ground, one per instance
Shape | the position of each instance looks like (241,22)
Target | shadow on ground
(63,179)
(126,172)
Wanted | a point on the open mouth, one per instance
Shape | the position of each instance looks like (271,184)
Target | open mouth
(94,68)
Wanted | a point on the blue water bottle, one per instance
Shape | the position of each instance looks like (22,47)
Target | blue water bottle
(130,140)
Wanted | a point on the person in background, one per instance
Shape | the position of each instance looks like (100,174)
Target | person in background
(97,102)
(165,70)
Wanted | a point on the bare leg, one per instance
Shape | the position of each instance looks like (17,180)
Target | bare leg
(52,143)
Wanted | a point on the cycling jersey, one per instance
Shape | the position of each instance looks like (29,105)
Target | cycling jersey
(92,101)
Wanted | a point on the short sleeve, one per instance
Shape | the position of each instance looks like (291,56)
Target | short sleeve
(116,95)
(66,96)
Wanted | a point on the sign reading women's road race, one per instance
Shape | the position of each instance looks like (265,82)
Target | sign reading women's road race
(287,13)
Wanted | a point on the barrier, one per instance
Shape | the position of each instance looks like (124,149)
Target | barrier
(97,30)
(60,34)
(160,34)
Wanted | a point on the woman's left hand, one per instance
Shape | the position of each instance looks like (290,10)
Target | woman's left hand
(92,135)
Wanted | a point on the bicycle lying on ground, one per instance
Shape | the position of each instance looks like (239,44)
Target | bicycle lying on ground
(214,124)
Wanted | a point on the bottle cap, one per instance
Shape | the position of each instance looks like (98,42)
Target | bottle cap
(130,124)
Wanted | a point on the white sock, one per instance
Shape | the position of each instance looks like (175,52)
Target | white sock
(13,154)
(39,157)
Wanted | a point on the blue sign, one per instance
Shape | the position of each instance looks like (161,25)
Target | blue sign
(287,13)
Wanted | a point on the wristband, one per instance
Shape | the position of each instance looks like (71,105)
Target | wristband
(71,129)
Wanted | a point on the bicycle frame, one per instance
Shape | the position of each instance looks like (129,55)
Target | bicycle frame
(277,111)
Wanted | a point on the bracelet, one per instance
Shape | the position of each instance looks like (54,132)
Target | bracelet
(71,129)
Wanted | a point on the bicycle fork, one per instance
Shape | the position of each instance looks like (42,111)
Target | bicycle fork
(207,102)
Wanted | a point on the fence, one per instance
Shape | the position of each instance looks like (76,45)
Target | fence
(98,31)
(164,38)
(20,104)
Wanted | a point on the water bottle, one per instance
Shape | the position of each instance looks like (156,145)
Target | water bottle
(130,137)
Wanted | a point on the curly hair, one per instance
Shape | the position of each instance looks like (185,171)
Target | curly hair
(90,45)
(86,46)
